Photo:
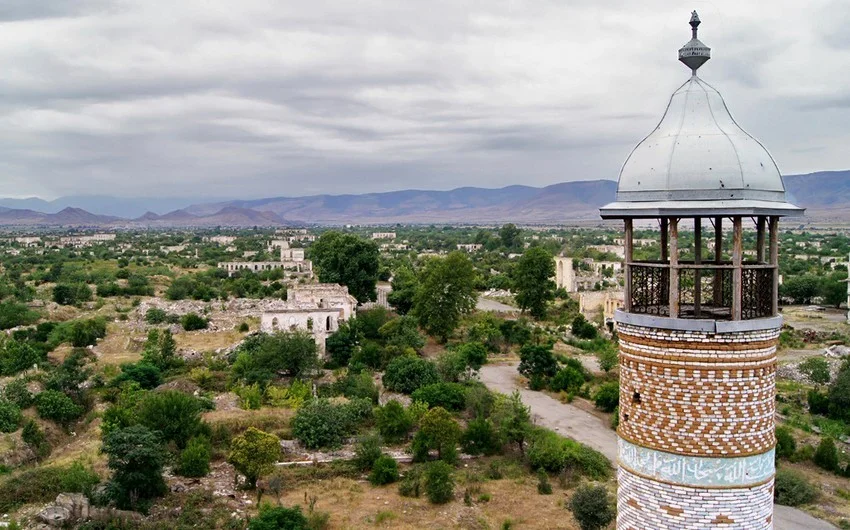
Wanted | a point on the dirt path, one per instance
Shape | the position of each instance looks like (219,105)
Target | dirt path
(590,430)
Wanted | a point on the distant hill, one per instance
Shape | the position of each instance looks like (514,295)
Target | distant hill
(825,195)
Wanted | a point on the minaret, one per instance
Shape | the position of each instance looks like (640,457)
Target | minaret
(699,329)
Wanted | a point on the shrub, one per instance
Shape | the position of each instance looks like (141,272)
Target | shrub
(591,507)
(155,315)
(411,484)
(567,380)
(34,437)
(607,397)
(826,455)
(193,321)
(175,415)
(818,402)
(480,438)
(278,518)
(56,406)
(441,432)
(583,329)
(261,357)
(145,374)
(195,459)
(537,361)
(291,397)
(439,484)
(792,489)
(254,453)
(450,396)
(839,394)
(10,416)
(250,396)
(544,487)
(71,294)
(358,386)
(407,373)
(366,452)
(243,328)
(16,356)
(17,392)
(785,444)
(384,471)
(393,421)
(321,423)
(554,453)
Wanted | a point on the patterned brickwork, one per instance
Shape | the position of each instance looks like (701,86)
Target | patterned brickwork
(644,504)
(698,393)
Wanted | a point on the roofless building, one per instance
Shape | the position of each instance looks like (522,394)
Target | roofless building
(700,325)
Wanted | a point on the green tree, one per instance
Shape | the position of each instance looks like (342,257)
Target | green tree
(348,260)
(136,458)
(402,333)
(342,343)
(408,373)
(384,471)
(195,459)
(254,454)
(71,294)
(175,415)
(839,394)
(800,289)
(833,289)
(446,292)
(262,357)
(404,284)
(510,236)
(10,416)
(591,506)
(480,438)
(568,379)
(786,446)
(532,278)
(393,421)
(537,361)
(512,419)
(441,432)
(13,314)
(16,356)
(607,397)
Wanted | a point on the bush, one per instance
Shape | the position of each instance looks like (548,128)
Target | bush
(537,361)
(291,397)
(262,357)
(146,375)
(839,394)
(818,402)
(567,380)
(366,452)
(480,438)
(554,453)
(411,484)
(10,416)
(71,294)
(406,374)
(321,423)
(16,356)
(195,459)
(441,432)
(785,444)
(193,321)
(34,437)
(250,396)
(826,455)
(278,518)
(393,421)
(175,415)
(243,328)
(439,484)
(56,406)
(544,487)
(254,453)
(450,396)
(42,484)
(17,392)
(591,507)
(583,329)
(607,397)
(155,315)
(384,471)
(792,489)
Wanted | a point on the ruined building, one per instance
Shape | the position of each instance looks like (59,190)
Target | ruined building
(698,338)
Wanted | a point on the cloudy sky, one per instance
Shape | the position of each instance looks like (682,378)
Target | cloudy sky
(253,98)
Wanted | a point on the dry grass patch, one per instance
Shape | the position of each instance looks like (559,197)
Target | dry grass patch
(207,340)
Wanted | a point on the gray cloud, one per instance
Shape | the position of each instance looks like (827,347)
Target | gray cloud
(264,98)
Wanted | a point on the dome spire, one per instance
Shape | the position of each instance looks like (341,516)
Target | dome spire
(694,54)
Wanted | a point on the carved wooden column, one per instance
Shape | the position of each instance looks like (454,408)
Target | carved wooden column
(774,260)
(629,252)
(760,222)
(674,267)
(697,261)
(737,266)
(718,257)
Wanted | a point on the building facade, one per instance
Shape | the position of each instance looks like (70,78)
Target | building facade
(698,338)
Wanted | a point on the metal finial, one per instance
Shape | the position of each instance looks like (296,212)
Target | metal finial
(694,54)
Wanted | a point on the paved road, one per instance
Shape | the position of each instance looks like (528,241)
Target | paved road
(592,431)
(485,304)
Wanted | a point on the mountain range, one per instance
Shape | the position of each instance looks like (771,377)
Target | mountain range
(826,195)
